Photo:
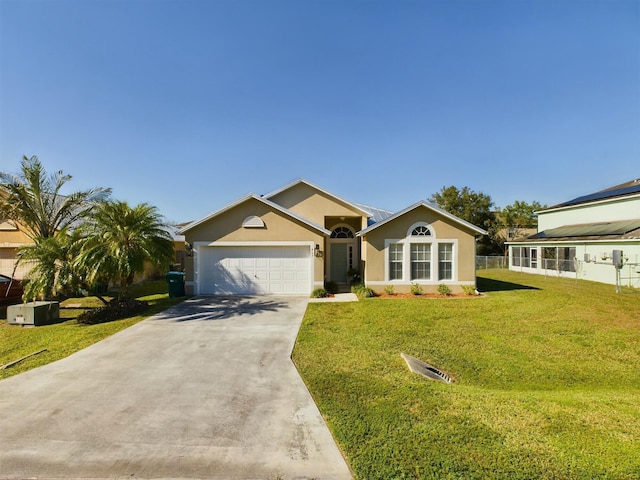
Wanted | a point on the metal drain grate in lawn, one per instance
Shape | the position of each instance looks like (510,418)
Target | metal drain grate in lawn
(424,369)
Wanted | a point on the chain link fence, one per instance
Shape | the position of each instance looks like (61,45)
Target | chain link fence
(491,261)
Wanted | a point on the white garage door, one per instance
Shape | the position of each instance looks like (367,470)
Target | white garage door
(284,270)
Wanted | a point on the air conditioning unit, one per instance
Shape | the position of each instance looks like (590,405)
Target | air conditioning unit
(33,313)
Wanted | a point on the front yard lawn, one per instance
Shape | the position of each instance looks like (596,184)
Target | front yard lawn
(67,337)
(546,381)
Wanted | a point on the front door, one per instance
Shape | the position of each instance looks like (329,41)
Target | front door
(338,262)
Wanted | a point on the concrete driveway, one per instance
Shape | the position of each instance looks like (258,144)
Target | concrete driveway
(204,390)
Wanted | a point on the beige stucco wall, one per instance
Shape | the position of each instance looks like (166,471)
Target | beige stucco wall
(443,230)
(12,237)
(314,205)
(227,227)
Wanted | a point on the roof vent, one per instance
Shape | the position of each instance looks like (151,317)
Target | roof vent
(424,369)
(253,221)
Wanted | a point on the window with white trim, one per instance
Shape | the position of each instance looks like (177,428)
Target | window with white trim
(342,232)
(395,261)
(445,261)
(421,231)
(420,261)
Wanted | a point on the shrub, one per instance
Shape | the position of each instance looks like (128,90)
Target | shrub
(444,289)
(469,289)
(416,289)
(331,287)
(114,310)
(365,292)
(389,290)
(362,291)
(319,293)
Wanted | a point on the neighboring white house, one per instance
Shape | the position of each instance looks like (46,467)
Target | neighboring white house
(580,238)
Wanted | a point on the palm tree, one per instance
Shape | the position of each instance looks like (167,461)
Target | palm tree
(34,199)
(119,240)
(54,268)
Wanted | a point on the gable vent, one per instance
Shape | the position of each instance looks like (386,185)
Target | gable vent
(253,221)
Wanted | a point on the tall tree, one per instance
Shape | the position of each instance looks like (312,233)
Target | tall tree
(119,240)
(521,214)
(474,207)
(517,220)
(35,200)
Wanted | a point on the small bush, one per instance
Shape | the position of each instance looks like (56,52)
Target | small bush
(469,289)
(114,310)
(365,292)
(355,287)
(331,287)
(444,289)
(416,289)
(389,290)
(319,293)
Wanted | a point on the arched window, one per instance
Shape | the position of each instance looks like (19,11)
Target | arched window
(421,231)
(342,232)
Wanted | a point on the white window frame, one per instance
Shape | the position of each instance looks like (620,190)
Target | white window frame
(453,254)
(406,256)
(421,224)
(429,260)
(388,261)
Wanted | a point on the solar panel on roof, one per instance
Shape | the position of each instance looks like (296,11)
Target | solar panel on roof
(603,194)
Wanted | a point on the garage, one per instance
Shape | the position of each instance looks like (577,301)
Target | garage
(256,270)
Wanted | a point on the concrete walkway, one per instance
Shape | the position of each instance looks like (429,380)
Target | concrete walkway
(205,390)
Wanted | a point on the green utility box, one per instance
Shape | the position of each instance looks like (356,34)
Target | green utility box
(33,313)
(175,280)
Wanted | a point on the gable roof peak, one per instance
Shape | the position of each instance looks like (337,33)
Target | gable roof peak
(430,206)
(259,198)
(299,181)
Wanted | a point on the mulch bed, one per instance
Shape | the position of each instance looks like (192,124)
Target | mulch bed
(114,310)
(426,295)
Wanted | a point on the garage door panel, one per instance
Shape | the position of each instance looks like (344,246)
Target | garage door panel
(275,275)
(262,262)
(288,262)
(255,270)
(275,262)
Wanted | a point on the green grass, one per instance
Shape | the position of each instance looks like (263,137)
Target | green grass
(546,381)
(67,337)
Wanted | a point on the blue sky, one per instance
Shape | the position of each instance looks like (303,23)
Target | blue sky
(192,104)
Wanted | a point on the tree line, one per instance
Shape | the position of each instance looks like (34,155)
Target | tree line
(479,209)
(82,239)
